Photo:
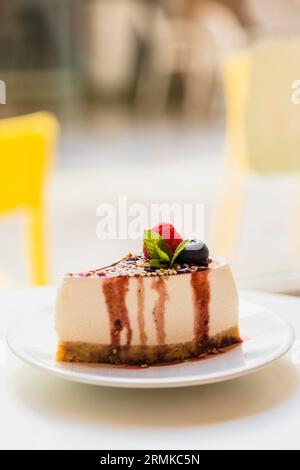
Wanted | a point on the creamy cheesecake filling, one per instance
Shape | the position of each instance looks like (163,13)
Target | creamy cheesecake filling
(112,312)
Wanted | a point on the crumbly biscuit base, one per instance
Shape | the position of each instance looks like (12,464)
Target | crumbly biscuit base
(138,355)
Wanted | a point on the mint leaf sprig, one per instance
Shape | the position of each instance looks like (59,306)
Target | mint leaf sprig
(159,252)
(178,251)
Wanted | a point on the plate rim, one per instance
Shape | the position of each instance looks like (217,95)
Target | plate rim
(150,383)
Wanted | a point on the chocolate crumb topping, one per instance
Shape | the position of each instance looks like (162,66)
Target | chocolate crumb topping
(137,265)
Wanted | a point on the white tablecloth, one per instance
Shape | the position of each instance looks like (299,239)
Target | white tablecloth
(38,410)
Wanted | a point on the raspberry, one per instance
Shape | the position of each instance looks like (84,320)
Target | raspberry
(169,234)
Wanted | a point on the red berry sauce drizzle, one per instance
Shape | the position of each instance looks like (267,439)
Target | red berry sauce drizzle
(141,306)
(115,290)
(201,296)
(159,285)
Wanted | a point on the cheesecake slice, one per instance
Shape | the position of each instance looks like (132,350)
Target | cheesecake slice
(136,312)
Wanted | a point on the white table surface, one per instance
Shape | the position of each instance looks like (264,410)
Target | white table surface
(38,410)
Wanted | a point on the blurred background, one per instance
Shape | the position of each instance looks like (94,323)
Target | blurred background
(162,101)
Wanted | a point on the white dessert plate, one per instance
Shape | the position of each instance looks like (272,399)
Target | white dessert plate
(266,338)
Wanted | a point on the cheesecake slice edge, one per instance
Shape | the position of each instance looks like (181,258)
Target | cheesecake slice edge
(126,316)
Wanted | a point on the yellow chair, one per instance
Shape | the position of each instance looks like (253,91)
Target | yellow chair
(263,129)
(27,145)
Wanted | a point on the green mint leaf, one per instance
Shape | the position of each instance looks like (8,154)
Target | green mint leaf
(150,241)
(162,254)
(156,246)
(165,247)
(179,250)
(151,235)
